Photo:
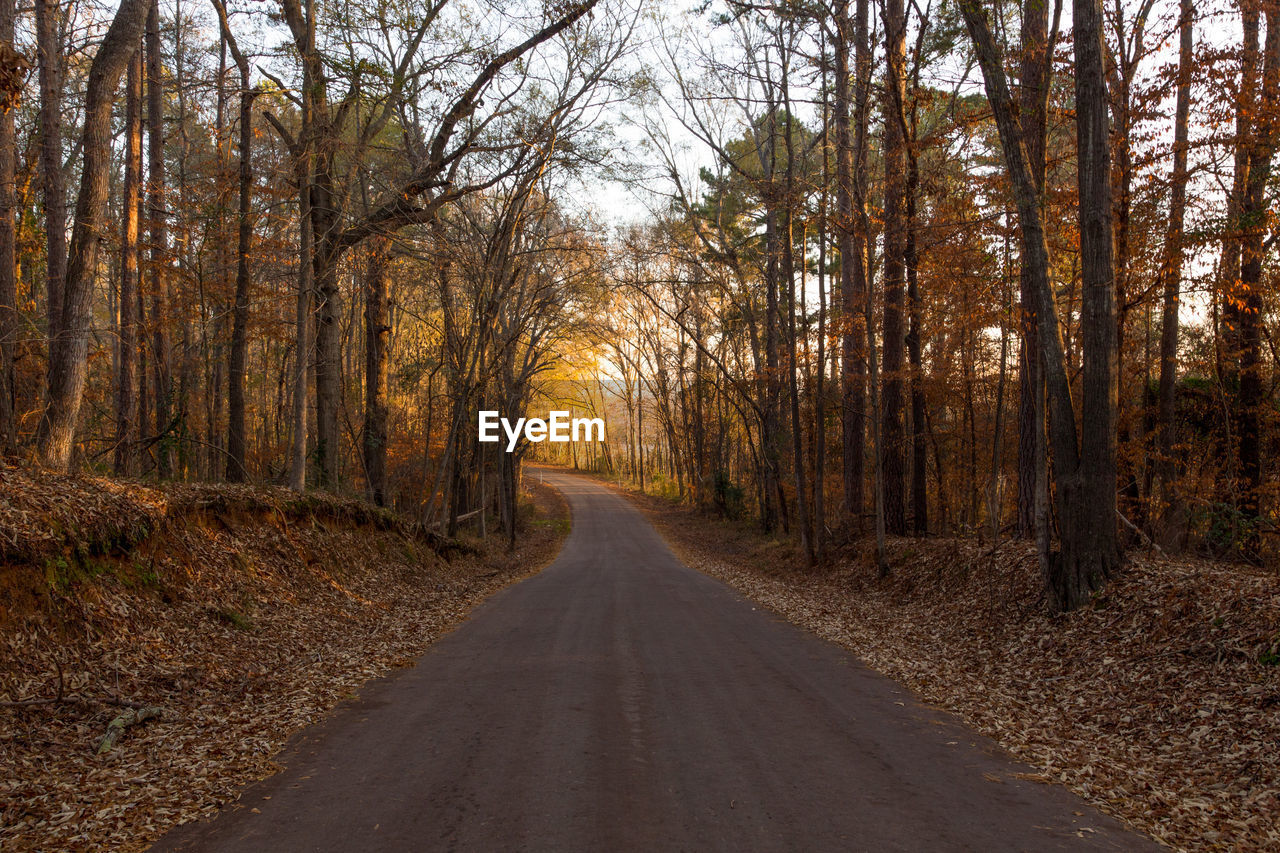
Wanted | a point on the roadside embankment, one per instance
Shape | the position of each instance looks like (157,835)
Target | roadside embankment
(1159,703)
(236,615)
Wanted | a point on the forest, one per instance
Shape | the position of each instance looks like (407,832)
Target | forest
(846,269)
(934,348)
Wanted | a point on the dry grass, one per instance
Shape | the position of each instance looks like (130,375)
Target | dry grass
(1159,703)
(246,614)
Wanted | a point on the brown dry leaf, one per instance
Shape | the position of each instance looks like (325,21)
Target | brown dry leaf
(1154,704)
(246,613)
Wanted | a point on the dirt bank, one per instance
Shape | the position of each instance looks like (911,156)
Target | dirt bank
(244,614)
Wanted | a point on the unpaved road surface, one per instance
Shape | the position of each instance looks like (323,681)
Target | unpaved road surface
(620,701)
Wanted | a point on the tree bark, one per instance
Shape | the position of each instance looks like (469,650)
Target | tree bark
(1171,279)
(774,509)
(49,51)
(852,279)
(1254,211)
(127,326)
(8,247)
(1086,492)
(302,340)
(236,371)
(819,445)
(157,213)
(376,336)
(919,449)
(328,319)
(1033,102)
(68,352)
(1090,547)
(891,403)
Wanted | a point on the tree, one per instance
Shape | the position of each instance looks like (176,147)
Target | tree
(432,183)
(157,212)
(49,51)
(788,273)
(1088,552)
(376,331)
(850,173)
(236,470)
(1171,278)
(1260,146)
(14,67)
(1089,515)
(127,337)
(895,247)
(68,351)
(1037,50)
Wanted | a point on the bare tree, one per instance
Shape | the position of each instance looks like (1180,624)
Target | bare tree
(377,332)
(432,183)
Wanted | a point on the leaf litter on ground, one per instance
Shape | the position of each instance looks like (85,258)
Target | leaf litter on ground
(244,613)
(1158,703)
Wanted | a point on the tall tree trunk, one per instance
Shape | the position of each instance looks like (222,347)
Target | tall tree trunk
(1253,393)
(1034,93)
(793,387)
(919,449)
(376,335)
(68,352)
(891,403)
(302,340)
(1122,66)
(774,508)
(850,246)
(49,50)
(328,313)
(793,345)
(1090,548)
(127,338)
(995,490)
(304,33)
(236,470)
(877,442)
(1171,278)
(236,372)
(157,213)
(820,372)
(1085,552)
(8,244)
(1229,354)
(188,454)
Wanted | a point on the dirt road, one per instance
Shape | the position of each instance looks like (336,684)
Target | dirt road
(621,701)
